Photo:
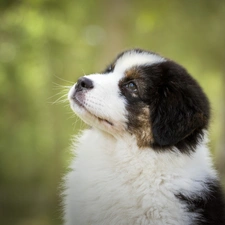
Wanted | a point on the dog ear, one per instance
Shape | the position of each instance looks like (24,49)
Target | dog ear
(180,111)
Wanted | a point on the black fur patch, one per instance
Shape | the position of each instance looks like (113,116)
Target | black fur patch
(179,109)
(211,208)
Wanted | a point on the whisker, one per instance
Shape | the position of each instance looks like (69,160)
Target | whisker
(84,74)
(63,79)
(78,124)
(61,86)
(67,106)
(61,99)
(59,93)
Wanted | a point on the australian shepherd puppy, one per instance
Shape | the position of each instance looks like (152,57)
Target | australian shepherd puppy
(144,160)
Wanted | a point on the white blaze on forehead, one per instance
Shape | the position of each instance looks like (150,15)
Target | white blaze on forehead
(134,58)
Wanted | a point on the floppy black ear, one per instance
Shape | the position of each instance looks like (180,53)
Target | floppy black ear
(180,111)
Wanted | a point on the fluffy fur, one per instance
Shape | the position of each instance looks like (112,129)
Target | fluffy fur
(145,159)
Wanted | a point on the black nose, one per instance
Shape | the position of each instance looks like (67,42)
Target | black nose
(84,84)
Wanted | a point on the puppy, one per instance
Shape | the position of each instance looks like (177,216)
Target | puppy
(145,159)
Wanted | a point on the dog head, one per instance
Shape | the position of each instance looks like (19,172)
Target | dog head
(145,95)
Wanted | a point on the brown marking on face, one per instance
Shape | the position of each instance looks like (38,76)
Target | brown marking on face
(142,129)
(132,73)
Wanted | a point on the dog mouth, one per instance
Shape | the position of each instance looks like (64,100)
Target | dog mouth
(100,119)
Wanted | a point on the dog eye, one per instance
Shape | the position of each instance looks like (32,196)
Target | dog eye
(131,86)
(109,69)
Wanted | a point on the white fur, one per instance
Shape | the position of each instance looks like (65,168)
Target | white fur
(131,59)
(112,181)
(101,102)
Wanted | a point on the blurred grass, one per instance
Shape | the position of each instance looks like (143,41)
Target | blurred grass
(45,43)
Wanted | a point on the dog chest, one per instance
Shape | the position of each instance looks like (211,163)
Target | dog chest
(110,185)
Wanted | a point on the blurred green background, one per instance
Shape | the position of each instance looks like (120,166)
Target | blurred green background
(47,44)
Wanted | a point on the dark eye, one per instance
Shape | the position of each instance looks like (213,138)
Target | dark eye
(109,69)
(131,86)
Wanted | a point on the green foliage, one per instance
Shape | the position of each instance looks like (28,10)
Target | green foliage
(43,42)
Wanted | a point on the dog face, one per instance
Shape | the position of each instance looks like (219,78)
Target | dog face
(145,95)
